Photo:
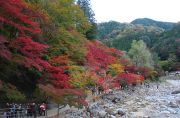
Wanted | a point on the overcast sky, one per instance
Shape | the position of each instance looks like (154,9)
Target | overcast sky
(128,10)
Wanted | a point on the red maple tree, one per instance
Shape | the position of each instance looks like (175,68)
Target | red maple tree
(99,56)
(16,15)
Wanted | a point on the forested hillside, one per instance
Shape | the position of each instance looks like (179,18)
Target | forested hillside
(48,52)
(122,39)
(162,38)
(104,29)
(168,48)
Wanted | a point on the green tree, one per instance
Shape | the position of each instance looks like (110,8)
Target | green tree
(171,64)
(172,60)
(140,54)
(89,13)
(86,7)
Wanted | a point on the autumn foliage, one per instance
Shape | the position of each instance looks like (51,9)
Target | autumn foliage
(110,66)
(100,56)
(57,50)
(131,78)
(14,14)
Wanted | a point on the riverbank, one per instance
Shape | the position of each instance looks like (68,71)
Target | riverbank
(156,101)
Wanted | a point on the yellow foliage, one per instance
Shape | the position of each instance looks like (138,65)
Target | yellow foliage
(80,77)
(115,69)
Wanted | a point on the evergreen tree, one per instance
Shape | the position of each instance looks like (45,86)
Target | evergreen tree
(86,7)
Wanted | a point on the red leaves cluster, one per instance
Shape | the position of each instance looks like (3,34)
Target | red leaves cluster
(60,79)
(60,60)
(105,83)
(131,68)
(145,71)
(32,52)
(12,13)
(130,78)
(115,52)
(99,56)
(109,82)
(16,14)
(28,47)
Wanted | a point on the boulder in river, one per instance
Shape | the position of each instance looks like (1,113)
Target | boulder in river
(102,114)
(112,116)
(171,110)
(176,92)
(165,112)
(173,105)
(121,111)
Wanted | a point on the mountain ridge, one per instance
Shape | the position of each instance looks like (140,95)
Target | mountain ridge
(151,22)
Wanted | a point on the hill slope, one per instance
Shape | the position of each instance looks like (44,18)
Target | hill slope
(169,42)
(150,22)
(107,27)
(122,38)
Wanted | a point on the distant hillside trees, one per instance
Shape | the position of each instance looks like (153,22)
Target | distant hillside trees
(104,29)
(123,37)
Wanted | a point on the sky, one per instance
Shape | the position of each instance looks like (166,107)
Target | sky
(128,10)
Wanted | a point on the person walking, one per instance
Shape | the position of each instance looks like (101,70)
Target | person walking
(43,109)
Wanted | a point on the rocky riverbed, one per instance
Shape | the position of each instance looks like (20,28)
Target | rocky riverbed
(158,101)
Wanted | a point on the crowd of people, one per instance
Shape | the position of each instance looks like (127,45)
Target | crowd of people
(15,110)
